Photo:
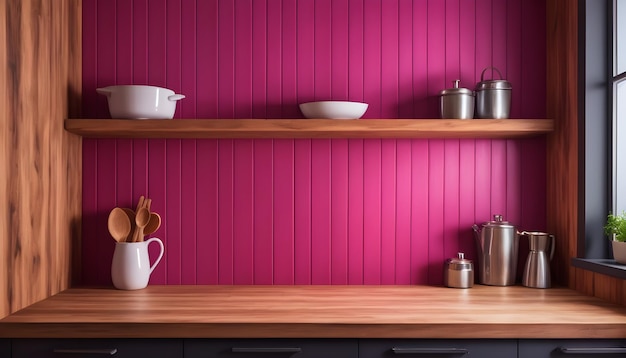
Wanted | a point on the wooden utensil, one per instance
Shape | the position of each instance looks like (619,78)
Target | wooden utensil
(119,224)
(153,224)
(141,220)
(131,217)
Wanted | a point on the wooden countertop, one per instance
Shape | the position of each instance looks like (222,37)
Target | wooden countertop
(318,312)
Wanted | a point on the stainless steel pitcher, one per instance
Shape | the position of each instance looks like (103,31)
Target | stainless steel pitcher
(537,267)
(497,245)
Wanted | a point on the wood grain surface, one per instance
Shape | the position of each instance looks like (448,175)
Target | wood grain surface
(309,128)
(564,192)
(319,311)
(40,179)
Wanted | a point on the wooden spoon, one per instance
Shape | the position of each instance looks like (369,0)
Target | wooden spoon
(131,216)
(153,224)
(141,220)
(119,224)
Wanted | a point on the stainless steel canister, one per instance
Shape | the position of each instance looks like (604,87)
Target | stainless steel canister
(459,272)
(493,97)
(497,244)
(457,102)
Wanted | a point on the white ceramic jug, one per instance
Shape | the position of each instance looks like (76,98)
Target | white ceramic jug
(131,269)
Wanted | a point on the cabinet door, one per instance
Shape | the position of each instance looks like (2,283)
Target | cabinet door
(271,348)
(572,348)
(5,348)
(95,348)
(438,348)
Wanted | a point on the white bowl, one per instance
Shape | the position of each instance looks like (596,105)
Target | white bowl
(140,102)
(333,109)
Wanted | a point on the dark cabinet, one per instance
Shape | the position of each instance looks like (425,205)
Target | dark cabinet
(439,348)
(271,348)
(95,348)
(572,348)
(5,348)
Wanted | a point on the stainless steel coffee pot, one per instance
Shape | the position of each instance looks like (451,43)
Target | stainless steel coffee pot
(497,244)
(537,267)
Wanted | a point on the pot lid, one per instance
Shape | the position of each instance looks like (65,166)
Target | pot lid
(456,89)
(497,222)
(493,84)
(460,262)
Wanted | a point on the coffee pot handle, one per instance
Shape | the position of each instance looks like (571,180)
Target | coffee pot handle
(552,246)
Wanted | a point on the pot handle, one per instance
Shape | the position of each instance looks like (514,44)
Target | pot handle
(482,75)
(104,91)
(553,244)
(176,97)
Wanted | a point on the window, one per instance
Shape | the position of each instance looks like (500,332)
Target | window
(619,106)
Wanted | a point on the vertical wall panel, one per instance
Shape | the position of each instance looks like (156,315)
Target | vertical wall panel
(355,211)
(388,211)
(243,60)
(311,211)
(372,42)
(403,221)
(173,208)
(274,33)
(339,212)
(263,208)
(243,209)
(302,203)
(389,59)
(188,213)
(207,229)
(283,219)
(320,211)
(372,211)
(339,50)
(225,214)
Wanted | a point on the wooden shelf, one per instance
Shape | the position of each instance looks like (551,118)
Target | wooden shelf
(309,128)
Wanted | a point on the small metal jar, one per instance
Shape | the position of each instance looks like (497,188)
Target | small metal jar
(459,272)
(457,102)
(493,97)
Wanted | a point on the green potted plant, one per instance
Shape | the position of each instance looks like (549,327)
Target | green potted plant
(615,229)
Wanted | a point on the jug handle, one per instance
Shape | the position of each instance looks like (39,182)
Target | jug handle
(176,97)
(158,241)
(482,75)
(553,242)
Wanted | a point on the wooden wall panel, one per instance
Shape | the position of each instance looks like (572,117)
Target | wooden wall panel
(40,162)
(563,152)
(312,211)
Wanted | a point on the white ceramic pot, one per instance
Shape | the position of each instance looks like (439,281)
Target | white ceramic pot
(619,251)
(140,101)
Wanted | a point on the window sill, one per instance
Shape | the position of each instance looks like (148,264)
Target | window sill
(602,266)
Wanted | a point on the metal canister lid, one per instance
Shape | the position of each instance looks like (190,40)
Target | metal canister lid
(460,263)
(497,221)
(493,83)
(456,90)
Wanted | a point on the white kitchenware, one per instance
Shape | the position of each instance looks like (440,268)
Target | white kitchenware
(333,109)
(140,101)
(131,269)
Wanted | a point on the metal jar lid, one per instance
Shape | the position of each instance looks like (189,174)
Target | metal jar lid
(456,90)
(493,83)
(460,263)
(498,222)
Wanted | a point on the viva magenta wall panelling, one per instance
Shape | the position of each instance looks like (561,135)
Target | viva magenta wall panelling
(310,211)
